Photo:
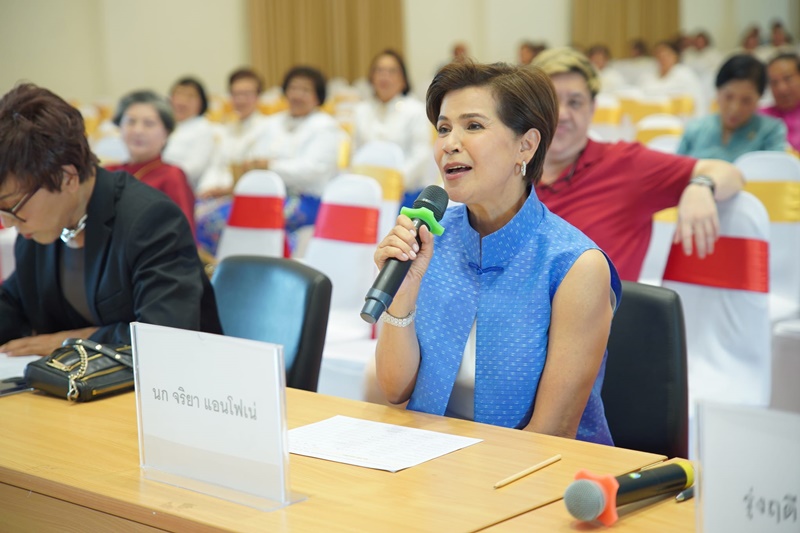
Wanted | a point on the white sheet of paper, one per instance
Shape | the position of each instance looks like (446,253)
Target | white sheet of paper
(11,367)
(372,444)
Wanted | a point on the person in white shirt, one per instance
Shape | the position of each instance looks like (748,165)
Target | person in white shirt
(611,79)
(395,116)
(673,78)
(301,145)
(191,145)
(238,136)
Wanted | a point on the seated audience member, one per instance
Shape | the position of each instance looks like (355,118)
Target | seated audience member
(301,145)
(672,78)
(96,250)
(145,121)
(527,51)
(611,191)
(702,58)
(512,304)
(238,137)
(610,79)
(780,41)
(784,81)
(737,128)
(392,115)
(191,146)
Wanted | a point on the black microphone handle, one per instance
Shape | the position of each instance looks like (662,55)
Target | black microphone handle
(648,483)
(383,290)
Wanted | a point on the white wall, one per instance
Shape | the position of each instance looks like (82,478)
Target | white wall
(100,49)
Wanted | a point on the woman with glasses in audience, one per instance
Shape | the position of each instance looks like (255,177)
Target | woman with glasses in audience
(393,115)
(145,120)
(191,145)
(737,128)
(96,250)
(504,318)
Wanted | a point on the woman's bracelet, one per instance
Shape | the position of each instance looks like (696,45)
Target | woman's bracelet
(399,322)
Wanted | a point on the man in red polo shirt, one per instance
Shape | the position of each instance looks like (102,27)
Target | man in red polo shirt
(611,191)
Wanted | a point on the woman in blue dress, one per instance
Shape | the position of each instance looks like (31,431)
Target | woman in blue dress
(505,320)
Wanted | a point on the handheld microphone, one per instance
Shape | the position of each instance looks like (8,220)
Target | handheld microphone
(428,210)
(593,497)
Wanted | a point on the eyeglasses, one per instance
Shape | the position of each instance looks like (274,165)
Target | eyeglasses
(19,205)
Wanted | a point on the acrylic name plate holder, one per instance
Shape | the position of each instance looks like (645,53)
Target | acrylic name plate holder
(749,469)
(212,415)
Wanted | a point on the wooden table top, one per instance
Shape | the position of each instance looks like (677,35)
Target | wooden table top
(88,454)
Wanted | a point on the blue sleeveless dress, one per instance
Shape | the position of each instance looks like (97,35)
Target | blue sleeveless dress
(507,281)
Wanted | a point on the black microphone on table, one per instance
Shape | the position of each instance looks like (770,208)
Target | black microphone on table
(592,497)
(428,210)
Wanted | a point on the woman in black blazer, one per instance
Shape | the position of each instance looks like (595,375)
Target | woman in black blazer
(96,250)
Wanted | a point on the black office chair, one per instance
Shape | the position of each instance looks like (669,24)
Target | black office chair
(645,391)
(276,300)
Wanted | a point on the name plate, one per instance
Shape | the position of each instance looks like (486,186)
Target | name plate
(749,469)
(212,414)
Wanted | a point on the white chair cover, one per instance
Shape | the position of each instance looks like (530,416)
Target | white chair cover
(111,150)
(342,248)
(8,236)
(656,125)
(383,155)
(782,200)
(667,143)
(786,366)
(727,329)
(255,225)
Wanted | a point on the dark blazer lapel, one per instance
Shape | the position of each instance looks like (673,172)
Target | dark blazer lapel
(99,222)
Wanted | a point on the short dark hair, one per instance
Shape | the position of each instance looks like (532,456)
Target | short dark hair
(188,81)
(599,49)
(312,74)
(786,56)
(743,67)
(525,99)
(159,103)
(246,74)
(39,134)
(671,44)
(397,57)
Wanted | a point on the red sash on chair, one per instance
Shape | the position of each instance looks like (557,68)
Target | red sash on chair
(259,212)
(347,223)
(737,263)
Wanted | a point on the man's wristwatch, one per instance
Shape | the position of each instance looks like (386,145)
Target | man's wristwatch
(704,181)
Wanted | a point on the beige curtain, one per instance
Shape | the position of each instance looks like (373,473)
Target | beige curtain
(616,22)
(339,37)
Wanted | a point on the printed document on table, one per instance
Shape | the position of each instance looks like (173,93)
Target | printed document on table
(14,366)
(372,444)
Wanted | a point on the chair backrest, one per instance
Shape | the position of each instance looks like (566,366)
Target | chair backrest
(656,125)
(255,225)
(774,178)
(725,300)
(8,236)
(660,246)
(645,386)
(276,300)
(380,154)
(667,143)
(111,150)
(383,161)
(343,246)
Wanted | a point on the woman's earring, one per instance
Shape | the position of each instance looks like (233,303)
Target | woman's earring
(523,167)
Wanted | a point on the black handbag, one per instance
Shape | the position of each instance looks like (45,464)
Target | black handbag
(82,370)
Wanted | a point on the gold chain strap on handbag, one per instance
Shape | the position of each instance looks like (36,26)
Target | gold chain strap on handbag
(72,393)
